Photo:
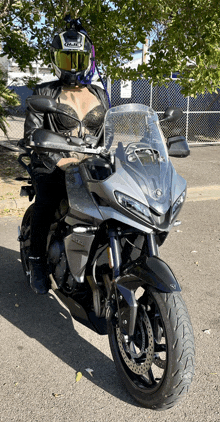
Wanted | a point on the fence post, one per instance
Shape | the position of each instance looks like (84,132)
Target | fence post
(151,94)
(187,119)
(109,86)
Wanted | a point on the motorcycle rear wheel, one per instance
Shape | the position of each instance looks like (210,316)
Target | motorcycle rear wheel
(157,366)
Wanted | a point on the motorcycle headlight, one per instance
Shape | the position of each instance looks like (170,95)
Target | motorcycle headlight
(177,205)
(133,206)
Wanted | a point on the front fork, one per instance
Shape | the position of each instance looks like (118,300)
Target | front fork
(123,292)
(152,245)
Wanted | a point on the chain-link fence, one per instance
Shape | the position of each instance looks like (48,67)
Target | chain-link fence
(15,121)
(15,129)
(200,123)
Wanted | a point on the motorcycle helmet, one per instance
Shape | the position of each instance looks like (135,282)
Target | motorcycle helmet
(73,57)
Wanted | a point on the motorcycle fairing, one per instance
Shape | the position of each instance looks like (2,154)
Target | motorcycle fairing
(143,154)
(82,315)
(159,182)
(77,246)
(142,171)
(151,171)
(81,203)
(83,207)
(122,180)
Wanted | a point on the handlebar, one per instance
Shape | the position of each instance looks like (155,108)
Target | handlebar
(44,140)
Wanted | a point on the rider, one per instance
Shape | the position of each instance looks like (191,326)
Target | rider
(73,59)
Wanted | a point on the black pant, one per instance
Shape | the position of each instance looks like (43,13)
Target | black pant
(50,189)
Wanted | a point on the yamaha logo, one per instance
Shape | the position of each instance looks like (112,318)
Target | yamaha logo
(73,44)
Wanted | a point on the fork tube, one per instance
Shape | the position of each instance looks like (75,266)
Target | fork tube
(115,248)
(153,249)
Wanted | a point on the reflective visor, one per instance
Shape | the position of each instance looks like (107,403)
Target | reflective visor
(71,60)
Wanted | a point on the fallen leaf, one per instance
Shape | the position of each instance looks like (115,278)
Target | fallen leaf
(78,376)
(207,331)
(56,394)
(90,371)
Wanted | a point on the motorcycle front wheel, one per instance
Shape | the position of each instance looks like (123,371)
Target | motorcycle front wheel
(25,241)
(157,364)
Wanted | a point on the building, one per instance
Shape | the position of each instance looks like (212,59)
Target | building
(16,77)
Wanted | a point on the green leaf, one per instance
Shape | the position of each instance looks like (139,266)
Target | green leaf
(178,30)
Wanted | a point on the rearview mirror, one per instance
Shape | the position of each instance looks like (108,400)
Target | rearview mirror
(178,146)
(42,104)
(172,114)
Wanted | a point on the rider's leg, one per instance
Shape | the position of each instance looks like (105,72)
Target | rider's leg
(50,188)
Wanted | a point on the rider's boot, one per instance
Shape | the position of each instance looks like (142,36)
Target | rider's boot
(39,281)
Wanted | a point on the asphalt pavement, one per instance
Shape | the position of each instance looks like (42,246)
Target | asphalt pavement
(42,348)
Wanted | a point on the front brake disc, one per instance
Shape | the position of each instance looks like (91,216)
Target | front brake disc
(138,360)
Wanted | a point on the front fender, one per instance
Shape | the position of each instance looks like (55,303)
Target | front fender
(154,272)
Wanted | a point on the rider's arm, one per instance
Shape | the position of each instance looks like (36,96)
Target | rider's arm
(33,120)
(63,163)
(36,120)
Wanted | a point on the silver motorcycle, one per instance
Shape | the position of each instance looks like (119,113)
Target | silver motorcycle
(103,245)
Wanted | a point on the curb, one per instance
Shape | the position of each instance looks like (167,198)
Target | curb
(13,204)
(203,193)
(194,194)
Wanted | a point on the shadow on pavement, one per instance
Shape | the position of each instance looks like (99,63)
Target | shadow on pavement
(44,319)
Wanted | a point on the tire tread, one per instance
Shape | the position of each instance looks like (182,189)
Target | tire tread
(180,369)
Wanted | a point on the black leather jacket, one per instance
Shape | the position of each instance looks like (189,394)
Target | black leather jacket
(38,120)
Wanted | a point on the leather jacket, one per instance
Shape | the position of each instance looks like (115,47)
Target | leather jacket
(37,120)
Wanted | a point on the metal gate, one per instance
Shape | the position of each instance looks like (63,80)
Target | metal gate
(200,123)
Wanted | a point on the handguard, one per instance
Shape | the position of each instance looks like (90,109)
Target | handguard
(44,140)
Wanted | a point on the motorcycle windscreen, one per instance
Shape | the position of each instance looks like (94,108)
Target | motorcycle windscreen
(144,155)
(133,123)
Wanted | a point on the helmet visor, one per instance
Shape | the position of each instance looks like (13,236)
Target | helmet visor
(71,60)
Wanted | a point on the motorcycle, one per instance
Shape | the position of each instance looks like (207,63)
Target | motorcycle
(103,245)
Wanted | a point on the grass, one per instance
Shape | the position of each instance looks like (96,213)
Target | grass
(11,194)
(18,212)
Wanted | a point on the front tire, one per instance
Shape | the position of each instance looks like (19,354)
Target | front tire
(25,241)
(157,365)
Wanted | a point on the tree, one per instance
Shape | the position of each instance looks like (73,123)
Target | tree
(8,99)
(184,36)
